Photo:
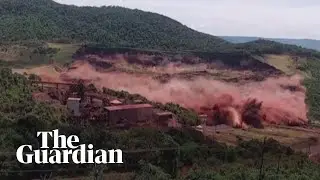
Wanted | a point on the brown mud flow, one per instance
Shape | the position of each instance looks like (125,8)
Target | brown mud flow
(278,100)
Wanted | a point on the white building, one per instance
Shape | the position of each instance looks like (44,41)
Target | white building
(73,105)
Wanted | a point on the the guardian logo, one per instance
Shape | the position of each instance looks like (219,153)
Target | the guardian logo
(65,151)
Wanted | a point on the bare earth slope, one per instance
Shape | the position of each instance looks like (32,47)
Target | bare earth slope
(191,85)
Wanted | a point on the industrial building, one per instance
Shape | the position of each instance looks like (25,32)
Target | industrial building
(117,114)
(101,108)
(73,104)
(129,114)
(162,118)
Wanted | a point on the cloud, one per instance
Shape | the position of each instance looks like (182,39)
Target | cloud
(266,18)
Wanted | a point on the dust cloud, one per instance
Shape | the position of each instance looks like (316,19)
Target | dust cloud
(274,100)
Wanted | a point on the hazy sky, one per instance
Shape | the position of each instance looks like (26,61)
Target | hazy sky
(264,18)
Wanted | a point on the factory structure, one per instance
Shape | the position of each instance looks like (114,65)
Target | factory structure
(130,114)
(98,107)
(118,114)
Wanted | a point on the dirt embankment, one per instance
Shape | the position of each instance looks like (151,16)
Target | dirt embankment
(230,61)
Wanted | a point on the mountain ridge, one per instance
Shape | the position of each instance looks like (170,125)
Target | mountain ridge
(113,26)
(305,43)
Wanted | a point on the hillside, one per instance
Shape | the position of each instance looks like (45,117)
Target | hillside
(46,20)
(306,43)
(37,32)
(113,26)
(133,57)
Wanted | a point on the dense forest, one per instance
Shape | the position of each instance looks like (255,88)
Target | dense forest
(25,20)
(114,26)
(306,43)
(312,84)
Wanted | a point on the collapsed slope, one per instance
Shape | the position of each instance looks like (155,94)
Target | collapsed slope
(282,97)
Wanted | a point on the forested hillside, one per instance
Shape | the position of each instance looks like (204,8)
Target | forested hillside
(306,43)
(46,20)
(262,46)
(114,26)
